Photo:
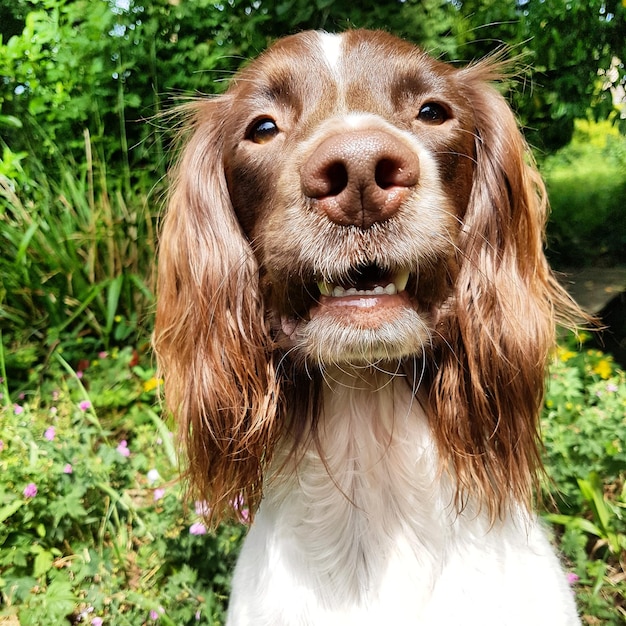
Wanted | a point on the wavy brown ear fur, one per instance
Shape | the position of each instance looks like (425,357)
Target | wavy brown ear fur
(488,389)
(211,339)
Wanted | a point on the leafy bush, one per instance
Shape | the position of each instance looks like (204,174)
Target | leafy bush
(587,185)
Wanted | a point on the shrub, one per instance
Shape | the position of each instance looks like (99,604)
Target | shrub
(587,185)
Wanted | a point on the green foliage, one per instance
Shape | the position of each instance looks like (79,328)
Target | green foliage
(587,185)
(572,50)
(584,429)
(104,65)
(91,520)
(77,256)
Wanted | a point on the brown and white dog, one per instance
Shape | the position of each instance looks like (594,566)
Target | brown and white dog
(354,316)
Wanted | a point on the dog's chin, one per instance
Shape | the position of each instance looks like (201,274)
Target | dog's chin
(360,330)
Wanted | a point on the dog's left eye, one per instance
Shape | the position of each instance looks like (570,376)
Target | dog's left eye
(433,113)
(262,131)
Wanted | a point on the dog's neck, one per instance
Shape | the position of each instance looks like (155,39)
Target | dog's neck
(366,485)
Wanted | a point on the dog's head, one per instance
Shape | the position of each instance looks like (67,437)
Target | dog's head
(348,201)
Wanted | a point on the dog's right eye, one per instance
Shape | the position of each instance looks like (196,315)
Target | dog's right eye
(262,131)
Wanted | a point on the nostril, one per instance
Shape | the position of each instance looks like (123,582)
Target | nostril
(336,176)
(395,173)
(385,173)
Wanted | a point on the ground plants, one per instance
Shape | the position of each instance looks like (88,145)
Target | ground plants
(77,256)
(584,429)
(92,528)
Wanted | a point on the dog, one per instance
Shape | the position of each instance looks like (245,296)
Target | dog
(354,316)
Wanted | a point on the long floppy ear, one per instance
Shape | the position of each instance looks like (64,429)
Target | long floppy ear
(211,340)
(488,390)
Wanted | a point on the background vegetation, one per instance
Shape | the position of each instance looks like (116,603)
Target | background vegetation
(93,529)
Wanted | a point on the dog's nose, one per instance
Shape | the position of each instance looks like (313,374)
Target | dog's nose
(360,177)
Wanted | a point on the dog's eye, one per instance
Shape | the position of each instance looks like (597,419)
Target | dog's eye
(262,130)
(433,113)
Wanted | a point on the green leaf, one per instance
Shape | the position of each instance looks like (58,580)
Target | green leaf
(43,563)
(10,509)
(59,601)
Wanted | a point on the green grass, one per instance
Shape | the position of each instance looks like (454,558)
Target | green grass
(77,255)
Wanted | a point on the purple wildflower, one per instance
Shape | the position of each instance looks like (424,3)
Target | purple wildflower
(18,409)
(572,578)
(68,469)
(158,494)
(30,491)
(84,405)
(50,433)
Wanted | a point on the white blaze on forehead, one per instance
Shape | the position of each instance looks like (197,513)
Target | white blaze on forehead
(331,46)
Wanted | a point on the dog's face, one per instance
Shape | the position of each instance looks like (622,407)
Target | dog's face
(350,200)
(349,162)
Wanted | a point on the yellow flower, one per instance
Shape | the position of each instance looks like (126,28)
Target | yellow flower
(564,354)
(152,383)
(603,368)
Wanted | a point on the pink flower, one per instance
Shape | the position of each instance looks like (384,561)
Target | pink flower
(572,578)
(122,448)
(96,621)
(17,409)
(103,355)
(79,374)
(50,433)
(154,615)
(84,405)
(158,493)
(30,491)
(1,445)
(197,528)
(68,469)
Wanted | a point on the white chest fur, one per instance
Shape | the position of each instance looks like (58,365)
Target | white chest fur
(368,535)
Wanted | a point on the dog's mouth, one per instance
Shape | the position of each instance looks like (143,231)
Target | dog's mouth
(365,281)
(361,315)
